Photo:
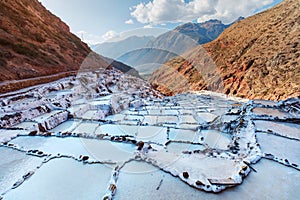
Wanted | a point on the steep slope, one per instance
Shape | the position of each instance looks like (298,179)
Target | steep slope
(117,49)
(170,44)
(255,58)
(35,43)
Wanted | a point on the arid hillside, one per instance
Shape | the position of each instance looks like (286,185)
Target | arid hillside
(35,43)
(257,57)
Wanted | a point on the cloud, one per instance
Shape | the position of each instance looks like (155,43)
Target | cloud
(148,26)
(130,21)
(230,10)
(110,35)
(89,38)
(173,11)
(163,11)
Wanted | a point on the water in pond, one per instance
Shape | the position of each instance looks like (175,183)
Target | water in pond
(183,135)
(117,130)
(152,134)
(66,126)
(284,129)
(109,151)
(90,114)
(86,127)
(271,112)
(53,145)
(280,147)
(215,139)
(13,165)
(272,181)
(207,117)
(64,179)
(175,147)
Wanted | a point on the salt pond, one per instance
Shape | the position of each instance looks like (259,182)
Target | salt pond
(177,147)
(64,179)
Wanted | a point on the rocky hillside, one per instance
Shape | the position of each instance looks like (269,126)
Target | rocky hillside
(257,57)
(35,43)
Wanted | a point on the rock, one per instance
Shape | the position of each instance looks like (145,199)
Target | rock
(185,174)
(33,151)
(18,183)
(245,167)
(29,174)
(199,183)
(140,145)
(286,161)
(106,198)
(113,188)
(294,165)
(132,141)
(47,134)
(269,156)
(32,133)
(85,158)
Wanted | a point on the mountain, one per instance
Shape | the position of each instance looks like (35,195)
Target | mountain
(170,44)
(257,57)
(189,35)
(146,60)
(37,47)
(117,49)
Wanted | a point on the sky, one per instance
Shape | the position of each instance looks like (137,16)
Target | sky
(96,21)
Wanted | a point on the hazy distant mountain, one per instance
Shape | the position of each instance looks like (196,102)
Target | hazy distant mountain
(257,57)
(189,35)
(117,49)
(170,44)
(146,60)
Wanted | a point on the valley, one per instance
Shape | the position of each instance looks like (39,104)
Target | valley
(205,110)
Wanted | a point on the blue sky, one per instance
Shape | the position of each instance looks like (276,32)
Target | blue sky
(99,20)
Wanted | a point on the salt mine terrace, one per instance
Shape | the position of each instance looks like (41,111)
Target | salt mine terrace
(110,135)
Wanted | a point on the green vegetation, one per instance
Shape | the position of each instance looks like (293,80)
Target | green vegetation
(20,48)
(25,50)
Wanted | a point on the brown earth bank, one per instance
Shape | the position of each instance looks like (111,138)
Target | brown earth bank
(257,57)
(9,86)
(36,43)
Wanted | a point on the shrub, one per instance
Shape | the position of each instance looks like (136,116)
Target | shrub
(39,38)
(24,50)
(5,42)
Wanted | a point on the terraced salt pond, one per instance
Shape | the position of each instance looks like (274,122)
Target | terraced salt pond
(64,175)
(189,146)
(14,165)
